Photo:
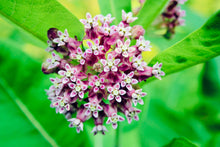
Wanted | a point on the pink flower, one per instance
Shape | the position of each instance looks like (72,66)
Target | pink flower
(61,103)
(63,38)
(57,85)
(99,128)
(93,107)
(143,45)
(124,48)
(113,119)
(79,55)
(97,83)
(76,123)
(89,22)
(123,31)
(54,61)
(132,114)
(115,92)
(137,95)
(157,71)
(106,19)
(108,30)
(138,63)
(110,64)
(128,17)
(77,89)
(50,44)
(96,48)
(69,73)
(127,80)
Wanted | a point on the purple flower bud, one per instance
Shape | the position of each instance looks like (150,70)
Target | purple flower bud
(52,33)
(137,31)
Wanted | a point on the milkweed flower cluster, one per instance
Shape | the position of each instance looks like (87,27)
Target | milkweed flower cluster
(173,16)
(97,77)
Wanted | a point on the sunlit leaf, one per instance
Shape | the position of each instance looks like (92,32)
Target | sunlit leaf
(180,142)
(37,16)
(150,10)
(22,84)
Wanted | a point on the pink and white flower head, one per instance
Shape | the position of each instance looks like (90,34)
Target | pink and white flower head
(143,45)
(113,119)
(115,92)
(128,17)
(76,123)
(79,55)
(110,64)
(138,63)
(106,19)
(63,38)
(124,49)
(157,71)
(54,61)
(97,83)
(96,48)
(90,22)
(128,81)
(93,107)
(137,97)
(123,30)
(99,80)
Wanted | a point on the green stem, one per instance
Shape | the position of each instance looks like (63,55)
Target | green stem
(117,136)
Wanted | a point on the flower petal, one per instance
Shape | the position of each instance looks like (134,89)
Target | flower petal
(118,99)
(122,92)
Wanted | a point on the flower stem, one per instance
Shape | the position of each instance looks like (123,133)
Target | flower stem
(117,136)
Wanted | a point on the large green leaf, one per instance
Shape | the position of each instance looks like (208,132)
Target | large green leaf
(22,86)
(150,10)
(198,47)
(180,142)
(114,7)
(37,16)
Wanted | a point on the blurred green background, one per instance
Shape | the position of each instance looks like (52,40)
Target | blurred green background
(185,104)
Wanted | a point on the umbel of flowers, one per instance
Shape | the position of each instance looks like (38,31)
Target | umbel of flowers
(97,78)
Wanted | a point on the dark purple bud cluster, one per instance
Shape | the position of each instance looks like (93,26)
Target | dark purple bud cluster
(172,16)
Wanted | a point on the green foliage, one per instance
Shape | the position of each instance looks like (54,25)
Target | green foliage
(22,83)
(180,142)
(199,46)
(114,7)
(37,16)
(150,10)
(185,105)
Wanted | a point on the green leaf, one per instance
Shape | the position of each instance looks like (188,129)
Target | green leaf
(180,142)
(114,7)
(150,10)
(37,16)
(198,47)
(22,86)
